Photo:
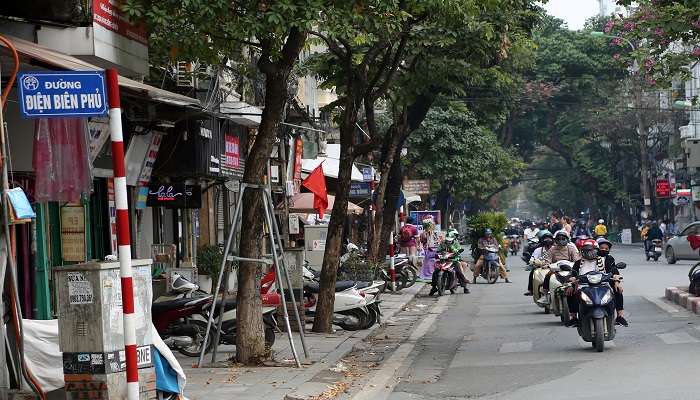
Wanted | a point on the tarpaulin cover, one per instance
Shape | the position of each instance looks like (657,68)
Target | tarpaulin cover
(61,159)
(694,241)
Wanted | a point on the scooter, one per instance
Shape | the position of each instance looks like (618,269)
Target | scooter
(514,244)
(175,322)
(597,308)
(444,275)
(558,284)
(538,292)
(492,259)
(349,307)
(654,251)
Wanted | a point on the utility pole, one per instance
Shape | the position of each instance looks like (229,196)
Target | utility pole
(643,132)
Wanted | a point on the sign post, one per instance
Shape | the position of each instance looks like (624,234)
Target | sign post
(62,94)
(123,234)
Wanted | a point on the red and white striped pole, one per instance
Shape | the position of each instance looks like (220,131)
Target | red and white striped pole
(123,234)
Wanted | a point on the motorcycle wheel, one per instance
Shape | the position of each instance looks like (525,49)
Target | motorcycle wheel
(196,348)
(440,283)
(493,274)
(359,320)
(656,258)
(269,336)
(371,318)
(564,315)
(547,310)
(445,284)
(599,338)
(411,275)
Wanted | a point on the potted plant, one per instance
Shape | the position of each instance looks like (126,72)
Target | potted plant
(209,260)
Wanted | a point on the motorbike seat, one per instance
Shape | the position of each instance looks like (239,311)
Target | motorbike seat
(339,286)
(362,285)
(164,306)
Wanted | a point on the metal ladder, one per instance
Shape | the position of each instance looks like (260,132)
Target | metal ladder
(280,272)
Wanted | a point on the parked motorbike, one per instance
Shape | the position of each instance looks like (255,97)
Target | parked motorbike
(655,249)
(174,318)
(532,244)
(597,308)
(349,307)
(444,275)
(558,284)
(492,260)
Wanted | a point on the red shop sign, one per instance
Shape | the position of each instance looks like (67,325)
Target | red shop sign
(233,151)
(663,189)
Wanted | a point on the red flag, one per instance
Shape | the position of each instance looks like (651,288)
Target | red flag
(316,183)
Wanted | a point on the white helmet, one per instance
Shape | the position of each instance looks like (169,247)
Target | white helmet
(562,232)
(600,221)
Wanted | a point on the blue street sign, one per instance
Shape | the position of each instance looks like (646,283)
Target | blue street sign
(359,189)
(62,94)
(366,174)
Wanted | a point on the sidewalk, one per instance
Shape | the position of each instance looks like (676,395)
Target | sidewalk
(280,382)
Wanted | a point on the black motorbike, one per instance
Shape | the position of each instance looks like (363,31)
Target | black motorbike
(596,308)
(530,247)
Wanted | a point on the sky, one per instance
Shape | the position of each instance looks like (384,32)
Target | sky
(573,12)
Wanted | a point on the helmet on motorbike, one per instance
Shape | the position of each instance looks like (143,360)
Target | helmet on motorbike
(600,221)
(488,231)
(602,240)
(544,232)
(562,237)
(451,236)
(589,249)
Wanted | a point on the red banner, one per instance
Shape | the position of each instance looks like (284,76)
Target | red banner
(298,151)
(107,14)
(663,189)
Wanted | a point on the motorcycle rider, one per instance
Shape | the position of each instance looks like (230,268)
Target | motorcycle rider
(487,241)
(653,234)
(581,229)
(546,242)
(530,231)
(563,249)
(596,257)
(600,230)
(451,245)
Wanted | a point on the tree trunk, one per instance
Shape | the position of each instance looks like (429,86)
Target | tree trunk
(323,321)
(393,192)
(250,342)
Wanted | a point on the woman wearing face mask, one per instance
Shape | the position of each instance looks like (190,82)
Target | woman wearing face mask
(546,241)
(596,255)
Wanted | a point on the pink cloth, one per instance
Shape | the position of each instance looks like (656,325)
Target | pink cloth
(61,159)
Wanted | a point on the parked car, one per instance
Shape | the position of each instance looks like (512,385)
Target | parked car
(678,247)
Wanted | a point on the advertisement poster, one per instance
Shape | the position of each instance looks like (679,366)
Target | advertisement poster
(232,154)
(73,233)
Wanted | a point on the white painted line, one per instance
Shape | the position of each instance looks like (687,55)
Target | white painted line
(515,347)
(663,305)
(382,383)
(677,338)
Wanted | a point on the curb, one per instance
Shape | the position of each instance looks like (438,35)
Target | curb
(680,296)
(305,390)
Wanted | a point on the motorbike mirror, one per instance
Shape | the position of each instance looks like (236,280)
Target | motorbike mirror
(460,251)
(621,265)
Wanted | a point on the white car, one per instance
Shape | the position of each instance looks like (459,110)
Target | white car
(678,247)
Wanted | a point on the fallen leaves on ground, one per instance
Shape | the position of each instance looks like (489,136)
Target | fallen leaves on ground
(333,391)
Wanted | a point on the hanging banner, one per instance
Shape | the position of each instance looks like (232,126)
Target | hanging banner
(174,195)
(417,186)
(233,151)
(147,169)
(49,94)
(112,209)
(99,134)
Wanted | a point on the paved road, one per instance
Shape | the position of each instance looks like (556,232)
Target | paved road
(496,344)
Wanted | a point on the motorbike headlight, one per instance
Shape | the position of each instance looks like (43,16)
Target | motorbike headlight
(606,298)
(586,299)
(595,278)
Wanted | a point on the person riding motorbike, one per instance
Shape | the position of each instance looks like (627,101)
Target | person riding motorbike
(581,229)
(451,245)
(595,257)
(563,249)
(600,230)
(487,241)
(654,233)
(546,242)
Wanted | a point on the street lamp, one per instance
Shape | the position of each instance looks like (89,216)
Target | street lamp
(641,124)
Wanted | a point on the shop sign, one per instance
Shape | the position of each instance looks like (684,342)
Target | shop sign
(298,151)
(147,169)
(417,186)
(174,195)
(62,94)
(294,224)
(232,157)
(663,189)
(360,189)
(73,233)
(112,208)
(108,15)
(367,174)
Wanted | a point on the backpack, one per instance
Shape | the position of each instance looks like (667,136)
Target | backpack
(406,234)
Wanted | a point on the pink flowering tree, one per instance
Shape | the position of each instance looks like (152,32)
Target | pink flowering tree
(665,35)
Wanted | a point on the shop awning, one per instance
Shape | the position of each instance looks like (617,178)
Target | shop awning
(331,164)
(65,61)
(241,113)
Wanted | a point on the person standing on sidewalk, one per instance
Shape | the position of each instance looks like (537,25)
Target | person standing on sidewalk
(407,238)
(429,241)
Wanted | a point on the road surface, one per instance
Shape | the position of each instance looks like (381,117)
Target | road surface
(496,344)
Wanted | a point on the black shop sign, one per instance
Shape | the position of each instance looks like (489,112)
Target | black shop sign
(174,195)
